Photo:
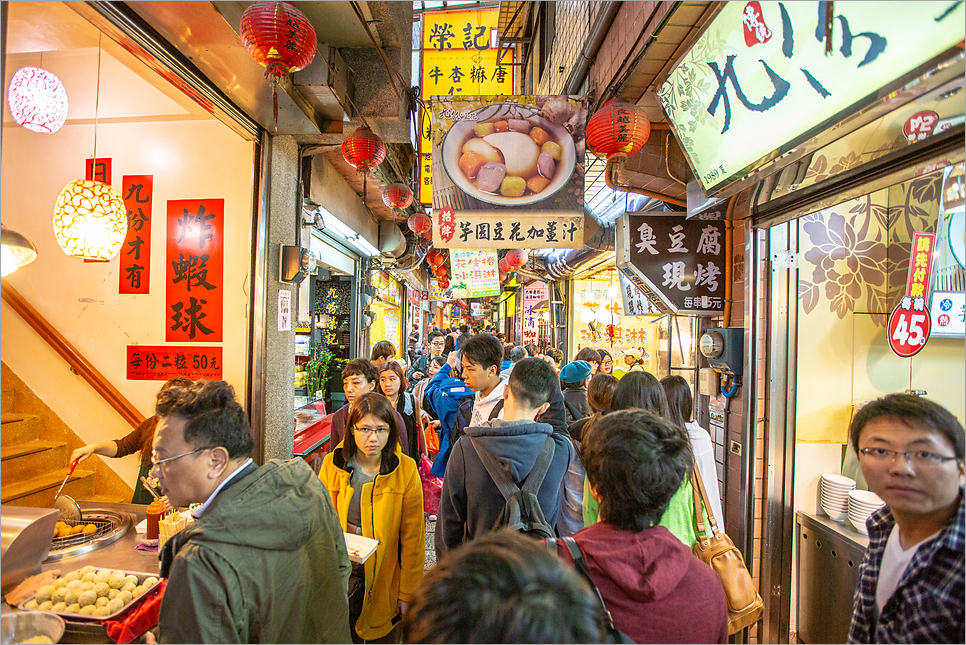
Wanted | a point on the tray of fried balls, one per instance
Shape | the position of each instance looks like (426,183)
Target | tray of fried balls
(93,594)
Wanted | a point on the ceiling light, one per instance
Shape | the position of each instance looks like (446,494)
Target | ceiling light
(17,251)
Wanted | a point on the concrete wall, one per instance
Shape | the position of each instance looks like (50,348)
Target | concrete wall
(331,190)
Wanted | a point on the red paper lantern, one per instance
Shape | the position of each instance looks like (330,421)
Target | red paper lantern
(618,129)
(503,276)
(443,283)
(435,258)
(505,267)
(428,233)
(363,149)
(419,223)
(441,272)
(280,38)
(397,195)
(517,257)
(37,100)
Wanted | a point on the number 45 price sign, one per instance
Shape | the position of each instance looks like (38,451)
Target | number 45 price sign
(910,322)
(909,327)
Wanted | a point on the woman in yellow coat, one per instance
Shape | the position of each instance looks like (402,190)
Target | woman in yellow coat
(377,492)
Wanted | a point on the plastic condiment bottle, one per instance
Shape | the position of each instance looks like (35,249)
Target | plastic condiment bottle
(155,509)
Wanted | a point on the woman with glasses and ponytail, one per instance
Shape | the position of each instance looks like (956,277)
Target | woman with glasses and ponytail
(377,493)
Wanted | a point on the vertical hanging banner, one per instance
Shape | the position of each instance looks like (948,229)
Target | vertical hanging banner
(910,323)
(98,169)
(535,308)
(134,275)
(194,270)
(459,58)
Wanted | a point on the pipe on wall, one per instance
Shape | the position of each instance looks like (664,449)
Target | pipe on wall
(610,177)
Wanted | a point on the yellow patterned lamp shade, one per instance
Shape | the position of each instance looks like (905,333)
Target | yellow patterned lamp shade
(90,220)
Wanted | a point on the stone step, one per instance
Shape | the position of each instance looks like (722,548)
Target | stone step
(8,397)
(25,460)
(18,428)
(39,491)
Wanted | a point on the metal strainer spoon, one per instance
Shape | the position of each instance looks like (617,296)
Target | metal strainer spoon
(69,510)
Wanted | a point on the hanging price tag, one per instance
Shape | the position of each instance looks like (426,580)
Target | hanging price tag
(909,327)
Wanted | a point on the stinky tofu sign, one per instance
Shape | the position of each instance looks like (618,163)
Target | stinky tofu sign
(761,79)
(675,262)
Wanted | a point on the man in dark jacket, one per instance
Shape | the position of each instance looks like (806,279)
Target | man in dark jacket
(420,369)
(470,502)
(464,336)
(261,534)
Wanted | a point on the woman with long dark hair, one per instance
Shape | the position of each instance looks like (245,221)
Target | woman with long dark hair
(680,404)
(377,493)
(590,355)
(606,361)
(393,385)
(642,390)
(599,395)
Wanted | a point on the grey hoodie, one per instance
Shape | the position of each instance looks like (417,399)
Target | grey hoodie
(470,502)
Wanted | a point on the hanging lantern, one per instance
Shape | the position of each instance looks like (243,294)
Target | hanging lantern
(441,272)
(90,220)
(428,233)
(397,195)
(435,258)
(517,257)
(363,149)
(419,223)
(280,38)
(443,283)
(504,275)
(37,100)
(618,129)
(505,267)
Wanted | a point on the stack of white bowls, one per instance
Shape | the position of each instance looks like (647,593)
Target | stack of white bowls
(835,495)
(862,503)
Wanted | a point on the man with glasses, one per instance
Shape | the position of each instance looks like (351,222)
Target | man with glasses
(911,580)
(420,368)
(265,561)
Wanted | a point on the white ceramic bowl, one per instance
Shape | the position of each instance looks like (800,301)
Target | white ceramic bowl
(838,481)
(459,132)
(866,498)
(833,515)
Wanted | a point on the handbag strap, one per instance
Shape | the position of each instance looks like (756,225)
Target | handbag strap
(581,565)
(701,498)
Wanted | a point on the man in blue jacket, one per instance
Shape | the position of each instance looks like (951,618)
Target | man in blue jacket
(471,502)
(445,393)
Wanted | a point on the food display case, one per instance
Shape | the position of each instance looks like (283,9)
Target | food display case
(312,426)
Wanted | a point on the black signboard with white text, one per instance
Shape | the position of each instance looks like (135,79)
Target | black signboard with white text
(678,263)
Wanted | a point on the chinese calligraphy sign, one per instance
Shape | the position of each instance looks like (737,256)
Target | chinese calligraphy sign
(483,229)
(675,264)
(475,273)
(758,79)
(160,363)
(194,270)
(134,273)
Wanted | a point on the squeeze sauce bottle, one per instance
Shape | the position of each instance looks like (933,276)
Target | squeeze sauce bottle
(155,509)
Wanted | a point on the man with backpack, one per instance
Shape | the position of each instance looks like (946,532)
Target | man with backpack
(512,450)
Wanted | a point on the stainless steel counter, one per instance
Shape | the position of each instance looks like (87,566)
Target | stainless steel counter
(829,554)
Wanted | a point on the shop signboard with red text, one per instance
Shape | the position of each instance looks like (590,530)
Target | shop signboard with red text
(911,323)
(194,270)
(159,363)
(134,271)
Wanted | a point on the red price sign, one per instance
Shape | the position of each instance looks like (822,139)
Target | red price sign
(909,327)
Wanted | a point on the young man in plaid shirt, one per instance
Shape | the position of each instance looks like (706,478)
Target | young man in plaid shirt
(911,579)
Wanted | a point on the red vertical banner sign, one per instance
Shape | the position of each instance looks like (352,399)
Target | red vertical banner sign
(98,169)
(194,270)
(911,323)
(135,257)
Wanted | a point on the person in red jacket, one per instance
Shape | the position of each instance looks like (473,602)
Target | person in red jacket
(656,590)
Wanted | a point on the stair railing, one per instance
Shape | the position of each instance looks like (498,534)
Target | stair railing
(69,353)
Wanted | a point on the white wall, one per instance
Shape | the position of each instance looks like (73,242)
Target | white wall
(191,155)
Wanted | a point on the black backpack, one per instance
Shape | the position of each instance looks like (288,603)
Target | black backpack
(522,510)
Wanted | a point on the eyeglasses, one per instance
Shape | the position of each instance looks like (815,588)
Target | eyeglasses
(438,343)
(368,432)
(157,462)
(608,362)
(919,458)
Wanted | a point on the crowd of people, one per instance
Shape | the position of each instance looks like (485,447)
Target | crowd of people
(532,452)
